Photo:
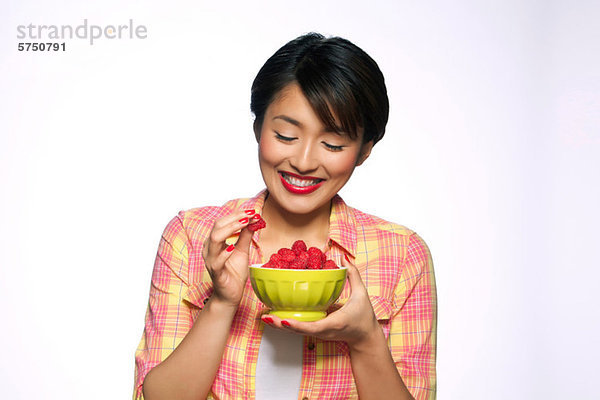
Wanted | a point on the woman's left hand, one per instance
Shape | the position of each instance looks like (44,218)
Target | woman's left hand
(354,322)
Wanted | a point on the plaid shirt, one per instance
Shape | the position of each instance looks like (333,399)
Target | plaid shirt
(394,263)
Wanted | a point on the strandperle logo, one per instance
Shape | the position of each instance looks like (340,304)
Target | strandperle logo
(84,31)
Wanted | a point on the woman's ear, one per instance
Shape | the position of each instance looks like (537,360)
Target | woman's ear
(365,151)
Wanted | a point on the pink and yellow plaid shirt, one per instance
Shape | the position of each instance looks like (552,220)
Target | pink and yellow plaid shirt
(394,263)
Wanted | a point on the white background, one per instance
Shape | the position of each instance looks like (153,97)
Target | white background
(491,154)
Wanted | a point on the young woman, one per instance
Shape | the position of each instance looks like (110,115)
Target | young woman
(320,105)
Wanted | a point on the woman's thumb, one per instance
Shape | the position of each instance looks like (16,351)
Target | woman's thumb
(353,274)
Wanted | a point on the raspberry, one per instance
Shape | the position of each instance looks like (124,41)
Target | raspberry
(277,264)
(275,259)
(254,226)
(287,255)
(313,251)
(299,246)
(297,264)
(303,256)
(298,257)
(300,261)
(314,262)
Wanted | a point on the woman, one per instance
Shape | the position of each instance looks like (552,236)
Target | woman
(320,104)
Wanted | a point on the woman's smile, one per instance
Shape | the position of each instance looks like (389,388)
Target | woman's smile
(300,184)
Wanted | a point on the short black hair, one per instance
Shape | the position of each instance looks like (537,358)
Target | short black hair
(335,75)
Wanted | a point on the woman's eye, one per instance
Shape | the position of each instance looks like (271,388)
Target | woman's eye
(284,138)
(333,147)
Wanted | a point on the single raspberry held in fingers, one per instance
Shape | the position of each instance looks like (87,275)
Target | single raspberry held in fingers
(259,224)
(299,247)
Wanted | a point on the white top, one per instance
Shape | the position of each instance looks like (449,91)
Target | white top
(279,365)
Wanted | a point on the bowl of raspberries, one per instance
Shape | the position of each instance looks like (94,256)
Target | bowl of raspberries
(298,282)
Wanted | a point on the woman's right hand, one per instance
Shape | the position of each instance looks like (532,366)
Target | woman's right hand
(228,264)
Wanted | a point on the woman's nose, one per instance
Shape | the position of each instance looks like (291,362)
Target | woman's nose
(305,158)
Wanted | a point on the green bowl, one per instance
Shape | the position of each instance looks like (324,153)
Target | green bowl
(304,295)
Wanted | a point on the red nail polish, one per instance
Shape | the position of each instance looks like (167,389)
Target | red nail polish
(256,216)
(285,323)
(268,320)
(244,220)
(346,257)
(250,212)
(230,248)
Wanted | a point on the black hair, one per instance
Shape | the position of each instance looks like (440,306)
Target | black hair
(337,78)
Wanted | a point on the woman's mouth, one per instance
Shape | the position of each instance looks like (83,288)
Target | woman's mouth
(300,185)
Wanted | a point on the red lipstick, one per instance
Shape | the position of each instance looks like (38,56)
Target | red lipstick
(299,189)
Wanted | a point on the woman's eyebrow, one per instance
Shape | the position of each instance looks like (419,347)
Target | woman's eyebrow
(337,129)
(289,119)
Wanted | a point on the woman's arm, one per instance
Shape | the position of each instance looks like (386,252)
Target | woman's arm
(374,370)
(413,328)
(189,370)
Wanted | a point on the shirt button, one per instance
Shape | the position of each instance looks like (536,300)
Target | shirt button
(305,398)
(205,300)
(311,346)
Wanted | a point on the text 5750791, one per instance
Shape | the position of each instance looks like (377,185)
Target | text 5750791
(34,46)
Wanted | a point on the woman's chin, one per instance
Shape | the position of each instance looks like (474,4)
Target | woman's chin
(299,204)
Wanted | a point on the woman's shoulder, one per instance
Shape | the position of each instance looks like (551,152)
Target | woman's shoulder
(373,222)
(372,226)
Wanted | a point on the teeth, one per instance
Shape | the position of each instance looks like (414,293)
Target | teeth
(300,182)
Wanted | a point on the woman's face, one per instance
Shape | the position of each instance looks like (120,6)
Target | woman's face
(302,163)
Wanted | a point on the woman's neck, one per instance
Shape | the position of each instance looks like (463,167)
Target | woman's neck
(283,227)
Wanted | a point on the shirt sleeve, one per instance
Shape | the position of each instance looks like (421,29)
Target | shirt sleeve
(413,327)
(168,317)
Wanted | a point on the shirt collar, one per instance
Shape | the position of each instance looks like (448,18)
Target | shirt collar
(342,224)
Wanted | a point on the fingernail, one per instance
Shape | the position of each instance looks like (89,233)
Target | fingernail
(268,320)
(249,212)
(346,257)
(244,220)
(285,323)
(256,216)
(230,248)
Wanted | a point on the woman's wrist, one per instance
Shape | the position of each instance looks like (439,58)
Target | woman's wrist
(221,307)
(372,339)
